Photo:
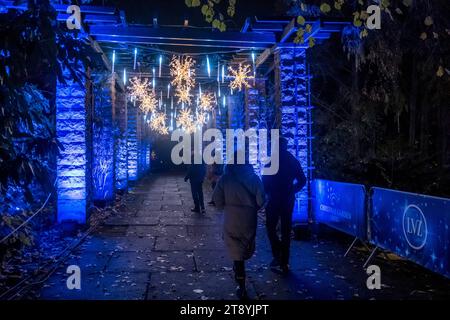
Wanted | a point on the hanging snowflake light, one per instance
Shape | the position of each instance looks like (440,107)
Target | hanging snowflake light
(240,77)
(138,88)
(158,123)
(184,95)
(183,72)
(206,102)
(185,121)
(148,103)
(201,119)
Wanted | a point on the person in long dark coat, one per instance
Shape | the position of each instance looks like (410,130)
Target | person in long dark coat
(280,190)
(240,192)
(196,174)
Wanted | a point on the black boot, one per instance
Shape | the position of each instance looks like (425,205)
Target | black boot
(239,276)
(241,291)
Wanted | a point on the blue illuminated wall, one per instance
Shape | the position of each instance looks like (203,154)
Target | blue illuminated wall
(103,143)
(236,117)
(236,111)
(254,97)
(72,117)
(221,124)
(141,144)
(146,148)
(292,76)
(121,152)
(132,142)
(148,152)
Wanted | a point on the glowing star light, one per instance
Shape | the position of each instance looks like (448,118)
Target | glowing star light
(240,77)
(206,102)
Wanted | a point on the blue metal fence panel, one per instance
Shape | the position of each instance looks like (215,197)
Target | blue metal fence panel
(341,206)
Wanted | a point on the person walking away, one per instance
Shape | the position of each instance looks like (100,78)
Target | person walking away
(196,174)
(280,190)
(241,194)
(215,171)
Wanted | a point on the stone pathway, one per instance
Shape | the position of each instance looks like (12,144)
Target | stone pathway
(158,249)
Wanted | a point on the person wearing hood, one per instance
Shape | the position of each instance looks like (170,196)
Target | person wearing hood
(240,193)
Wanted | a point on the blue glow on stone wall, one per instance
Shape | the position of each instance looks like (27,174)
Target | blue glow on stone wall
(235,116)
(121,142)
(236,111)
(253,119)
(122,162)
(132,142)
(147,156)
(103,147)
(141,144)
(222,124)
(71,118)
(294,107)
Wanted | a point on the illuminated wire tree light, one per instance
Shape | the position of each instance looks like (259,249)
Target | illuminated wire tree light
(185,121)
(139,88)
(158,123)
(207,102)
(240,77)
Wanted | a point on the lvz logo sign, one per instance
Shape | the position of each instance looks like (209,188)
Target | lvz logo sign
(415,227)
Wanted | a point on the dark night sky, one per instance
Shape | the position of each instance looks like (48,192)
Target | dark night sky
(171,12)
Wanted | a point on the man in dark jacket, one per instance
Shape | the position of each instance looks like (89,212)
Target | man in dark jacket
(196,174)
(281,189)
